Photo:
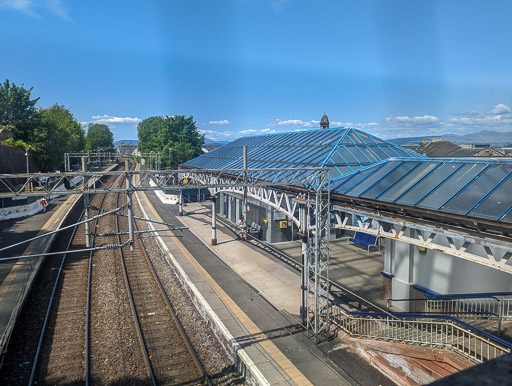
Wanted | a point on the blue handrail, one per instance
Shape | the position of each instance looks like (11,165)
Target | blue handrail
(467,295)
(402,315)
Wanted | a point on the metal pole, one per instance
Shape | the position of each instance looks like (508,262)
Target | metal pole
(180,208)
(214,220)
(86,206)
(244,201)
(170,167)
(26,156)
(304,273)
(317,265)
(130,204)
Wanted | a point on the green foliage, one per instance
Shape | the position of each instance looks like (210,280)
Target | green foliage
(98,135)
(17,143)
(179,133)
(57,132)
(17,109)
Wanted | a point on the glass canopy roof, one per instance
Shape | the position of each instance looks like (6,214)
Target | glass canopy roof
(341,150)
(464,187)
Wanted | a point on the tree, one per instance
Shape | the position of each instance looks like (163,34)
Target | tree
(57,132)
(18,110)
(98,135)
(177,132)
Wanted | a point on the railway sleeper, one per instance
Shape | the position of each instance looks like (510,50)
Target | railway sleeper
(157,343)
(197,376)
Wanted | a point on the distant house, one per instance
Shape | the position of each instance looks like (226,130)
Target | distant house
(209,148)
(442,148)
(126,148)
(436,148)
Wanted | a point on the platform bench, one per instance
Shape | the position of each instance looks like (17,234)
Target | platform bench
(364,239)
(254,229)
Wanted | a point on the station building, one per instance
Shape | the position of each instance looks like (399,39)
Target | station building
(445,225)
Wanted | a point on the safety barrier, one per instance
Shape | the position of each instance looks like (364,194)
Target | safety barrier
(435,331)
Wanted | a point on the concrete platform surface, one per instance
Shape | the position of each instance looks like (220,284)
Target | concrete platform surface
(257,298)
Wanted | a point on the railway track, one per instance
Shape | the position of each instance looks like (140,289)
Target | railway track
(62,354)
(169,355)
(75,345)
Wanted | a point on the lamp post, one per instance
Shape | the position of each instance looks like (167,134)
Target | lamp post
(26,156)
(170,167)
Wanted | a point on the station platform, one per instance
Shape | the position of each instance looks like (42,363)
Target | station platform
(253,300)
(16,276)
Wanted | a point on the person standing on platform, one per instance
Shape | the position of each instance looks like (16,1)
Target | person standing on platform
(243,228)
(44,203)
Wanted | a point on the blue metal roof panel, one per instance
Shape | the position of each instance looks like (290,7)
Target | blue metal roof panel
(466,187)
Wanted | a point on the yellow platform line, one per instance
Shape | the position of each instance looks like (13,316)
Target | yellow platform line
(259,336)
(11,276)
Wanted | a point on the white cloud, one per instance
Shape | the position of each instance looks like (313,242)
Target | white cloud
(268,131)
(470,113)
(110,119)
(314,124)
(33,8)
(220,123)
(500,109)
(249,131)
(290,122)
(424,120)
(216,135)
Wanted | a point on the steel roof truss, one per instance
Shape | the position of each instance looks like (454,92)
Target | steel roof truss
(498,253)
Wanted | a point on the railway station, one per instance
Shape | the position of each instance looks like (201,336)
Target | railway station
(327,256)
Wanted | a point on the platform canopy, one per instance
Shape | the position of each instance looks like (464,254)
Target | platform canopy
(342,150)
(474,188)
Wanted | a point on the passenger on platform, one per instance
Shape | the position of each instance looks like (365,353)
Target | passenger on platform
(243,228)
(44,203)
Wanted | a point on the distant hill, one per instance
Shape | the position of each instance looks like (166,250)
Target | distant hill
(494,138)
(211,142)
(133,141)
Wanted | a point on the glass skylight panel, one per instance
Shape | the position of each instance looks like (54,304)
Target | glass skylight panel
(333,172)
(347,141)
(387,181)
(347,155)
(507,217)
(409,180)
(379,152)
(466,199)
(358,153)
(355,138)
(319,157)
(355,181)
(370,154)
(497,202)
(344,169)
(368,139)
(337,159)
(429,182)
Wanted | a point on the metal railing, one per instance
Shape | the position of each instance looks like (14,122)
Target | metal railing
(495,304)
(435,331)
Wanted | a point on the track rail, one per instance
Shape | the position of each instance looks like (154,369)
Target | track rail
(168,353)
(62,354)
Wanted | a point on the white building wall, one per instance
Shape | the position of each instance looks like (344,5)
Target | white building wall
(440,272)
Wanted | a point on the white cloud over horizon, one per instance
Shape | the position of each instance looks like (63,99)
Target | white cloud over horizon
(112,119)
(220,123)
(34,8)
(500,109)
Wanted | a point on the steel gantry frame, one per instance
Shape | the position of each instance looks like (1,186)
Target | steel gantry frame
(440,237)
(154,159)
(315,227)
(311,213)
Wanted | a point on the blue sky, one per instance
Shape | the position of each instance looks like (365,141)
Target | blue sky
(244,67)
